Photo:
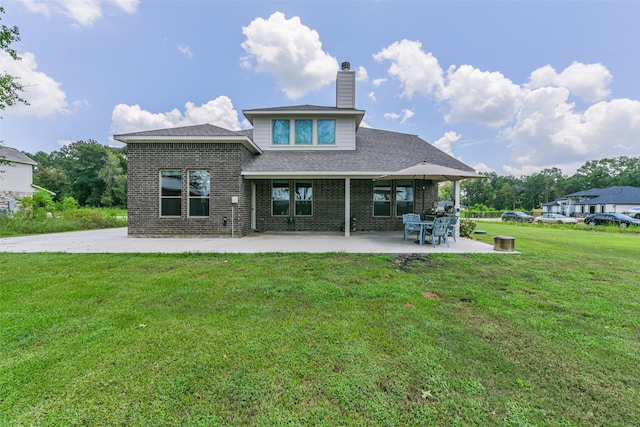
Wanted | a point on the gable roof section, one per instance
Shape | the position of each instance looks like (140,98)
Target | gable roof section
(16,156)
(306,109)
(377,153)
(621,195)
(197,133)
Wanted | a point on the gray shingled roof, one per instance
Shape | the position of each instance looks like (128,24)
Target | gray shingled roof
(304,107)
(376,151)
(193,131)
(14,155)
(620,195)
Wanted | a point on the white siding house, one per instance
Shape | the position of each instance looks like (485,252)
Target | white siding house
(16,177)
(617,199)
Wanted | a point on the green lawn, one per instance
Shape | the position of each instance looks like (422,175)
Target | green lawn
(547,337)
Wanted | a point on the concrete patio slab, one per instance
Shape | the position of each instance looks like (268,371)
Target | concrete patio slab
(116,240)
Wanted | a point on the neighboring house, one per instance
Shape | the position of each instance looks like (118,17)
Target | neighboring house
(16,178)
(618,199)
(301,168)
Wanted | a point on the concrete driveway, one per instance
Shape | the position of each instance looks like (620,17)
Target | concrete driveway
(116,240)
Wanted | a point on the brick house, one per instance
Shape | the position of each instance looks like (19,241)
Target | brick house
(300,168)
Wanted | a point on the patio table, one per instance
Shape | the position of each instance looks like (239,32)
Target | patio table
(424,226)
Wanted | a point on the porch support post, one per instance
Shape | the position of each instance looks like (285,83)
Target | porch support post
(347,207)
(456,204)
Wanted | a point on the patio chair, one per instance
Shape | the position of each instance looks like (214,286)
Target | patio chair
(411,223)
(451,229)
(439,230)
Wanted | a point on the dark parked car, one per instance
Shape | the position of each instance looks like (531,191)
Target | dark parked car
(516,216)
(611,219)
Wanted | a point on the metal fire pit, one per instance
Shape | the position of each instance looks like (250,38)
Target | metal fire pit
(504,243)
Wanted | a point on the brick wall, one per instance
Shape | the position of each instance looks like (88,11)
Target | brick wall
(328,207)
(223,160)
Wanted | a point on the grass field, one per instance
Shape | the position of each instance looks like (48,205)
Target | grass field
(547,337)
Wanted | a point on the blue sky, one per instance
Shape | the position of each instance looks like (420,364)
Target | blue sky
(507,86)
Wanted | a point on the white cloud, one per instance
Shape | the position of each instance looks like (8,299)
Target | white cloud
(524,170)
(362,75)
(290,52)
(417,71)
(588,81)
(445,142)
(43,93)
(131,118)
(483,97)
(83,12)
(184,49)
(65,142)
(406,115)
(378,82)
(543,127)
(372,96)
(548,128)
(129,6)
(482,167)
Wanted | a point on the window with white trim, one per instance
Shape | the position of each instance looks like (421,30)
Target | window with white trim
(199,192)
(326,132)
(304,198)
(280,197)
(171,193)
(280,132)
(304,131)
(382,198)
(404,196)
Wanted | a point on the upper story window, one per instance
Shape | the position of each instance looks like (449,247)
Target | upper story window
(304,131)
(280,131)
(326,131)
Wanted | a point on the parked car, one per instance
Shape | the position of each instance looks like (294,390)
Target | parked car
(516,216)
(611,219)
(552,218)
(633,213)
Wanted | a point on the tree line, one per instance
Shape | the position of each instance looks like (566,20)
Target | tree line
(499,192)
(92,173)
(96,175)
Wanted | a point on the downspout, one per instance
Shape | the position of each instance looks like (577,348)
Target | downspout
(456,204)
(347,207)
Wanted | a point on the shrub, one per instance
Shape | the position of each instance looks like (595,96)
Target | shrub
(467,227)
(69,203)
(36,206)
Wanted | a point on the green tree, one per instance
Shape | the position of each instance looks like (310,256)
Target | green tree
(112,174)
(82,162)
(446,191)
(9,87)
(542,187)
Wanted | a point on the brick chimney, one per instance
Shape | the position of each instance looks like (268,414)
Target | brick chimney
(346,87)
